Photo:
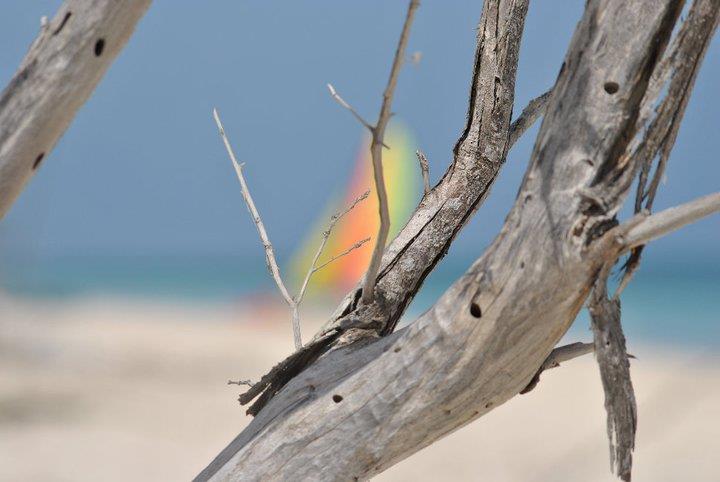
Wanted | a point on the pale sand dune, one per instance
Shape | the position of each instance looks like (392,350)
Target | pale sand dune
(112,390)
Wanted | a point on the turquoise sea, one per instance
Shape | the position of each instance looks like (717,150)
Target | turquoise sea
(674,303)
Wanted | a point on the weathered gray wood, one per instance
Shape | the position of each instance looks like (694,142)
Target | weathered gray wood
(422,243)
(359,409)
(56,77)
(612,358)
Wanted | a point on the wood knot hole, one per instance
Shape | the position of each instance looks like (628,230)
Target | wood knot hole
(475,310)
(337,398)
(611,87)
(38,160)
(99,47)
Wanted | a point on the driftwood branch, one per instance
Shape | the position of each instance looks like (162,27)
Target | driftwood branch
(479,154)
(376,147)
(487,336)
(62,68)
(644,228)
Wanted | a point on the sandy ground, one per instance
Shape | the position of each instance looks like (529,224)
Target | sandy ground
(115,390)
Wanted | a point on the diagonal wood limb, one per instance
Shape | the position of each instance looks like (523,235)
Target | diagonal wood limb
(58,74)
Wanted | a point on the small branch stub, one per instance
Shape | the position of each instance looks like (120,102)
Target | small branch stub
(425,169)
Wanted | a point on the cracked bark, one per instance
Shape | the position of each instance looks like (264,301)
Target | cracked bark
(478,156)
(363,406)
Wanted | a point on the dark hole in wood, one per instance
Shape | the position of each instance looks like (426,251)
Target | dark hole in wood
(397,349)
(99,47)
(475,310)
(611,87)
(337,398)
(62,24)
(38,160)
(590,162)
(522,264)
(488,405)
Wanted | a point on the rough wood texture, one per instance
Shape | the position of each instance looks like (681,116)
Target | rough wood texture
(678,74)
(56,77)
(612,358)
(424,240)
(362,407)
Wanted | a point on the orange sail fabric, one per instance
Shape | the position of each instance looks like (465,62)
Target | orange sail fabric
(402,181)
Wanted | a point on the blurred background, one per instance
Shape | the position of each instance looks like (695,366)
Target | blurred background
(132,280)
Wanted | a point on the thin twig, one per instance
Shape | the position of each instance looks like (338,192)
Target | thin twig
(270,260)
(352,110)
(347,251)
(325,236)
(334,94)
(378,137)
(425,169)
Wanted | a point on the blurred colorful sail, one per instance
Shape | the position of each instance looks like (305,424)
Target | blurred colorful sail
(403,186)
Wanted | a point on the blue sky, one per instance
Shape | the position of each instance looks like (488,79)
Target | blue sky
(141,171)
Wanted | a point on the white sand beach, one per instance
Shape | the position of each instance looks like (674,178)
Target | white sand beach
(117,390)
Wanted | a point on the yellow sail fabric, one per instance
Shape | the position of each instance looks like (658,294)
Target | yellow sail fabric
(402,181)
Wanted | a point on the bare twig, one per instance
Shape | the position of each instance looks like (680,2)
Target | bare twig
(559,355)
(325,236)
(352,110)
(378,135)
(347,251)
(425,169)
(528,116)
(270,260)
(376,145)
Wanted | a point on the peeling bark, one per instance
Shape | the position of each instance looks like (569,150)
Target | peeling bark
(612,359)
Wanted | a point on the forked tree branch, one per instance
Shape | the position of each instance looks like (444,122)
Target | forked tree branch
(58,74)
(270,261)
(325,236)
(376,145)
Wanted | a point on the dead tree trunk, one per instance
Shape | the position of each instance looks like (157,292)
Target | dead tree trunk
(350,405)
